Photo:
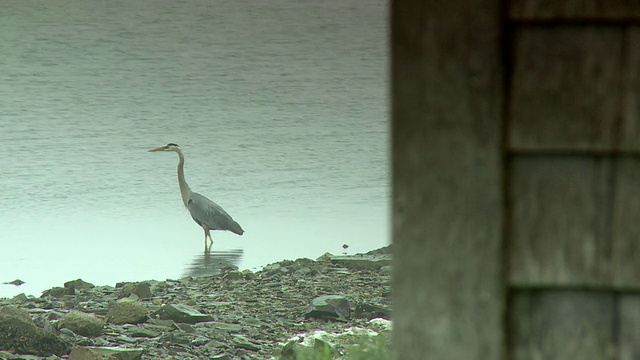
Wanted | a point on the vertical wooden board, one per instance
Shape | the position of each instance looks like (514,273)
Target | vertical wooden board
(447,200)
(565,88)
(630,127)
(557,232)
(552,324)
(625,231)
(595,10)
(629,326)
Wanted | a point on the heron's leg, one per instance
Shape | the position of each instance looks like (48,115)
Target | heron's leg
(205,236)
(209,235)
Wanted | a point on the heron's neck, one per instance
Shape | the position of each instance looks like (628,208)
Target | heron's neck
(185,191)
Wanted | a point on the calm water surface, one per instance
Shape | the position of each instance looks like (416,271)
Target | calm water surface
(279,106)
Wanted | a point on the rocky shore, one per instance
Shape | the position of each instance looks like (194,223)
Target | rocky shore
(327,304)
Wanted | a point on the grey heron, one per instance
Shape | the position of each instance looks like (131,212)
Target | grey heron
(206,213)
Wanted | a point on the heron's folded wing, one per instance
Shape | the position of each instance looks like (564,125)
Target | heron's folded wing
(205,211)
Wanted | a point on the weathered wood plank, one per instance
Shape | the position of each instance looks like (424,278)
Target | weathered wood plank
(630,127)
(561,325)
(629,331)
(565,89)
(446,105)
(626,229)
(594,10)
(558,234)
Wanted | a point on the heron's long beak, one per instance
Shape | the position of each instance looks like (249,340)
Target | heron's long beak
(161,148)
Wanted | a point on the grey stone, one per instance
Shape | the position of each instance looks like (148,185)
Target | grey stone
(81,324)
(362,262)
(325,257)
(242,342)
(19,334)
(182,314)
(141,332)
(386,270)
(127,312)
(106,353)
(82,353)
(19,299)
(79,285)
(186,328)
(58,292)
(368,311)
(142,290)
(233,275)
(222,326)
(329,307)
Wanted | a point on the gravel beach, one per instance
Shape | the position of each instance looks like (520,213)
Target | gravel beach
(231,315)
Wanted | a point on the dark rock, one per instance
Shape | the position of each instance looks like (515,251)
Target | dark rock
(182,314)
(329,307)
(19,299)
(127,312)
(82,353)
(186,328)
(110,353)
(142,332)
(141,290)
(19,334)
(232,275)
(242,342)
(58,292)
(222,326)
(387,250)
(82,324)
(325,257)
(264,307)
(362,262)
(248,274)
(79,285)
(368,311)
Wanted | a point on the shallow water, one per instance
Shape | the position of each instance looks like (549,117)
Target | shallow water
(280,107)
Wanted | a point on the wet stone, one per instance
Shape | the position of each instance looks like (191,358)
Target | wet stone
(182,314)
(78,285)
(19,334)
(368,311)
(111,353)
(81,324)
(329,307)
(127,312)
(362,262)
(251,316)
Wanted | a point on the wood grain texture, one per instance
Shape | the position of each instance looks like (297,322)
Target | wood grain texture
(558,230)
(447,215)
(626,225)
(594,10)
(630,127)
(629,326)
(562,325)
(565,88)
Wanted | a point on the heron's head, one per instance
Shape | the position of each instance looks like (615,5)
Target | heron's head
(168,147)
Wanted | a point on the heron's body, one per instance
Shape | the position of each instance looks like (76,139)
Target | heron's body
(206,213)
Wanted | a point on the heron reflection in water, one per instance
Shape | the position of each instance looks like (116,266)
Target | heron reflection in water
(206,213)
(212,262)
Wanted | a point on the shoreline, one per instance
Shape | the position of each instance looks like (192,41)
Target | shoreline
(231,315)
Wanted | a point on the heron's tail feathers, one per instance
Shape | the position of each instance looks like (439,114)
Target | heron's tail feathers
(236,228)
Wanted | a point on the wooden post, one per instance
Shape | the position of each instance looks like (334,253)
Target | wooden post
(447,107)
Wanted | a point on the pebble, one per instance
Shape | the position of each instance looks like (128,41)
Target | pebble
(232,315)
